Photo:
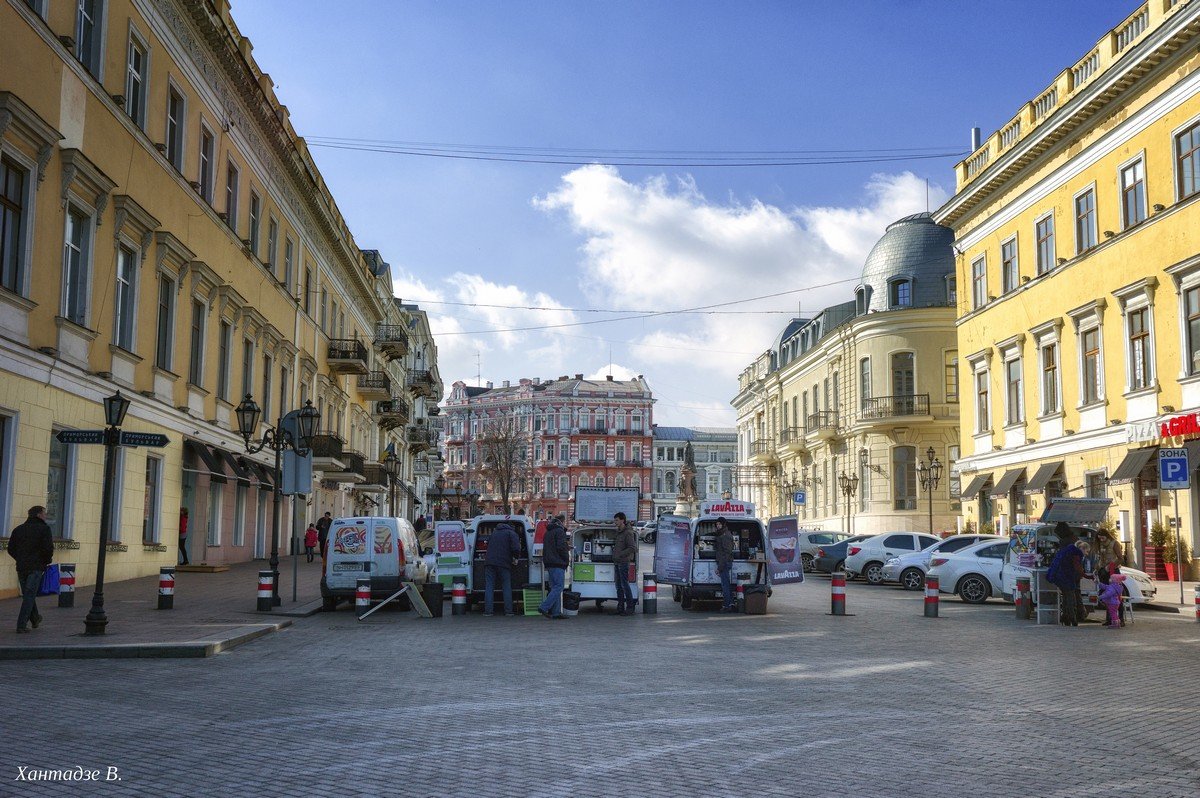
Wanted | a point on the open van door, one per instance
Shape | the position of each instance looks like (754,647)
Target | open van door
(673,550)
(452,549)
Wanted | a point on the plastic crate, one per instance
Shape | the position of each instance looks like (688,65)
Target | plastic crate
(532,599)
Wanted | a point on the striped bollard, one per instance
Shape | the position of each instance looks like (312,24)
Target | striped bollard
(166,588)
(1023,598)
(66,584)
(362,597)
(458,598)
(837,593)
(649,594)
(266,586)
(931,597)
(1198,603)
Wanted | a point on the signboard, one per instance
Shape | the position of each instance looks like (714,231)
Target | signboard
(783,554)
(143,439)
(800,497)
(80,436)
(1172,469)
(451,539)
(1075,511)
(730,508)
(673,550)
(601,504)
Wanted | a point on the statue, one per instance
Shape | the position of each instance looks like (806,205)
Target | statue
(687,503)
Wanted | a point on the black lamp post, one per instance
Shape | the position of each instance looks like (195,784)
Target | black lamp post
(391,464)
(279,439)
(930,474)
(848,483)
(115,408)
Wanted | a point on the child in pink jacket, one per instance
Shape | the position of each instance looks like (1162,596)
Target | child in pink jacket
(1112,589)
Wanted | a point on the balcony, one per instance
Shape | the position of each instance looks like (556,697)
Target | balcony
(375,479)
(375,385)
(823,424)
(352,471)
(591,463)
(630,464)
(391,340)
(762,452)
(631,432)
(420,383)
(792,440)
(327,452)
(347,356)
(391,413)
(597,429)
(421,468)
(419,438)
(883,411)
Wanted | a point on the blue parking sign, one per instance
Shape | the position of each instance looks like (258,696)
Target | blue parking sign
(1173,469)
(799,497)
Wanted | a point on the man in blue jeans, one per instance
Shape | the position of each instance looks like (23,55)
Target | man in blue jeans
(556,556)
(503,550)
(723,553)
(32,546)
(624,554)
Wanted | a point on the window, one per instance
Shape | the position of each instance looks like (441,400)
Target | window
(215,495)
(1085,221)
(231,200)
(1012,384)
(983,421)
(285,385)
(954,483)
(1050,391)
(272,245)
(266,383)
(1089,342)
(255,220)
(13,183)
(89,34)
(196,361)
(900,294)
(1191,299)
(166,322)
(118,490)
(994,552)
(1009,270)
(248,367)
(904,542)
(151,528)
(1044,232)
(1141,363)
(1133,193)
(136,79)
(903,374)
(1095,485)
(224,344)
(951,290)
(239,516)
(7,459)
(58,488)
(979,283)
(864,383)
(206,164)
(324,315)
(76,266)
(176,122)
(126,298)
(951,374)
(308,290)
(1187,161)
(289,250)
(904,478)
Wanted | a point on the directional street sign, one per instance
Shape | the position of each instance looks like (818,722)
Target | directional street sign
(81,436)
(143,439)
(799,497)
(1173,469)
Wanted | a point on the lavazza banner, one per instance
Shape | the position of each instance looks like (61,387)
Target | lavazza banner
(783,554)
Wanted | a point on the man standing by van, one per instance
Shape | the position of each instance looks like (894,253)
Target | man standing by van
(323,525)
(503,549)
(624,553)
(723,553)
(556,556)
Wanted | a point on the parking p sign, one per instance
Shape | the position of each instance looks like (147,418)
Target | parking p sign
(1172,469)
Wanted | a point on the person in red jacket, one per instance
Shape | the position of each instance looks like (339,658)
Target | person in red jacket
(183,524)
(32,546)
(310,541)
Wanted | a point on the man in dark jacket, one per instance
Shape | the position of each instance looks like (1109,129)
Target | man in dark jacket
(32,546)
(556,556)
(624,554)
(503,549)
(723,553)
(323,525)
(1065,571)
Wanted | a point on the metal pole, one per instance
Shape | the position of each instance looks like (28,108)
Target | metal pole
(295,553)
(97,620)
(1178,546)
(929,490)
(277,515)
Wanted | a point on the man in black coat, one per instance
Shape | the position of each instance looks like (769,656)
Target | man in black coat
(503,551)
(323,525)
(32,546)
(556,557)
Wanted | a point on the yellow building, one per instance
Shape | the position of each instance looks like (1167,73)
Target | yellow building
(1079,309)
(164,231)
(846,405)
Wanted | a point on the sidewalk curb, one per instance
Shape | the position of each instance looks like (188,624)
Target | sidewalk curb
(191,649)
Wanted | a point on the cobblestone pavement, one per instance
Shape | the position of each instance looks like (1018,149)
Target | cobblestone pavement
(884,703)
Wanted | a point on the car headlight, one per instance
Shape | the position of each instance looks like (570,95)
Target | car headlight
(893,561)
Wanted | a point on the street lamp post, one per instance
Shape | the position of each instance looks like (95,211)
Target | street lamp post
(278,439)
(930,474)
(849,486)
(391,464)
(115,407)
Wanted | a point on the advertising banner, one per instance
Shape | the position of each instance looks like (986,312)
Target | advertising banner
(783,554)
(673,550)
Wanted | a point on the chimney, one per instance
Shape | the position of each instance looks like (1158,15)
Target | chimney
(504,384)
(609,378)
(579,376)
(974,139)
(563,378)
(489,385)
(537,380)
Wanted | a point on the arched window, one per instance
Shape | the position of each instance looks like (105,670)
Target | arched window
(904,477)
(620,480)
(670,482)
(862,299)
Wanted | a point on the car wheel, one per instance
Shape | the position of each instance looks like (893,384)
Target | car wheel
(328,604)
(912,579)
(874,573)
(841,567)
(974,589)
(806,562)
(685,600)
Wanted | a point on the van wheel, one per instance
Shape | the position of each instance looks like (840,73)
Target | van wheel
(328,604)
(676,593)
(685,600)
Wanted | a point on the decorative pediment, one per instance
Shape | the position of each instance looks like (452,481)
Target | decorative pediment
(230,303)
(83,178)
(171,255)
(19,123)
(205,282)
(134,221)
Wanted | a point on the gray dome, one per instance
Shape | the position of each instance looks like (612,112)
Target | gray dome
(914,249)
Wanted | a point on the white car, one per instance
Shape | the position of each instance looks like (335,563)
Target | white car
(811,541)
(867,558)
(909,569)
(973,573)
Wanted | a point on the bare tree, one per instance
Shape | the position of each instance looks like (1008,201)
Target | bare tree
(504,456)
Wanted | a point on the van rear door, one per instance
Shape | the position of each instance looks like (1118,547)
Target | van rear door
(349,553)
(453,551)
(673,550)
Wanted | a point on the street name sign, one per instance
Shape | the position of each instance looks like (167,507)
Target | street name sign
(80,436)
(143,439)
(1173,469)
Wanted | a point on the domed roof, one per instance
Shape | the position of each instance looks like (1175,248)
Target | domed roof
(916,248)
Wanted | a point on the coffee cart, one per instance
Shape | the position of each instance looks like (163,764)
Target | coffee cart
(593,572)
(685,551)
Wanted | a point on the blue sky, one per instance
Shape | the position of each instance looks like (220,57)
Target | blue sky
(663,76)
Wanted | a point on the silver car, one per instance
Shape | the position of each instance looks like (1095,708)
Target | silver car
(910,569)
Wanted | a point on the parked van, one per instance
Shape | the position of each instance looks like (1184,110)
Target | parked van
(385,549)
(461,547)
(685,551)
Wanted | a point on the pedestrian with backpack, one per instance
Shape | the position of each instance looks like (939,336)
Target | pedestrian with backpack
(1065,571)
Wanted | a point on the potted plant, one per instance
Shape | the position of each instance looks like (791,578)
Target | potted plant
(1154,551)
(1176,567)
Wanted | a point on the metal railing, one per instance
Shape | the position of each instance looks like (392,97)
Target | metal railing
(347,349)
(822,419)
(326,444)
(891,406)
(375,381)
(791,435)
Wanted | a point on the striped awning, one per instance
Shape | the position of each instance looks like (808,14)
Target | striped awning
(1006,483)
(1132,465)
(1042,477)
(974,486)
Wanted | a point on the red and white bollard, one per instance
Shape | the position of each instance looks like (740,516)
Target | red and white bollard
(931,597)
(649,594)
(362,597)
(266,589)
(740,595)
(1198,603)
(1023,598)
(837,594)
(458,598)
(66,584)
(166,588)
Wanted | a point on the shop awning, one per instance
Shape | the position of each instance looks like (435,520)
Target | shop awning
(213,462)
(265,481)
(974,486)
(1042,477)
(1132,465)
(1007,481)
(235,467)
(1193,450)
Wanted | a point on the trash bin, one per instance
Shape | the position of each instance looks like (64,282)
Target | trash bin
(431,594)
(50,577)
(570,602)
(756,599)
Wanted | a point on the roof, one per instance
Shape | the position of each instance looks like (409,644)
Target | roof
(692,433)
(915,247)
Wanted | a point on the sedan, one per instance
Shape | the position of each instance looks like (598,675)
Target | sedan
(833,557)
(810,542)
(909,569)
(972,573)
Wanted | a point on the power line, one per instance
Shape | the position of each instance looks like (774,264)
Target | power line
(587,310)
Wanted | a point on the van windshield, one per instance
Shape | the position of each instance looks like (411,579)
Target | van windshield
(484,531)
(747,534)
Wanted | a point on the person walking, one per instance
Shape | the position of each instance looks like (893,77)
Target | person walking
(723,553)
(323,525)
(624,554)
(503,549)
(310,541)
(32,546)
(556,556)
(183,530)
(1065,571)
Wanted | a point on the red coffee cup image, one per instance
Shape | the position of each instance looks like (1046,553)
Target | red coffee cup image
(784,549)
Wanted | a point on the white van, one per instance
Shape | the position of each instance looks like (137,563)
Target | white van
(685,552)
(461,547)
(385,549)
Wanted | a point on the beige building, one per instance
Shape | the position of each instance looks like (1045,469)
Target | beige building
(842,410)
(164,231)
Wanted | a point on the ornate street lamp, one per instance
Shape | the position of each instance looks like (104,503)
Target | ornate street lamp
(391,464)
(930,474)
(279,439)
(115,407)
(848,484)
